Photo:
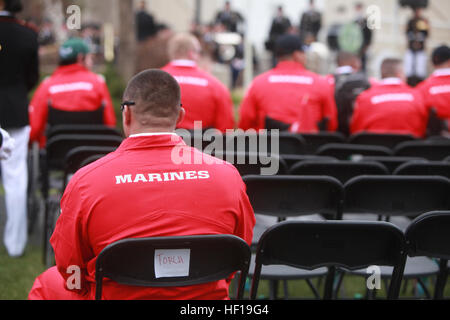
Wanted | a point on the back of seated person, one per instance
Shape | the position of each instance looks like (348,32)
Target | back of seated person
(391,106)
(150,187)
(71,88)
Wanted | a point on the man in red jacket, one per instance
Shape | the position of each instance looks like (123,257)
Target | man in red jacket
(436,89)
(143,190)
(391,106)
(289,94)
(204,97)
(72,87)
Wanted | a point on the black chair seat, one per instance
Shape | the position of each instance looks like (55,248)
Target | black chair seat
(415,268)
(281,272)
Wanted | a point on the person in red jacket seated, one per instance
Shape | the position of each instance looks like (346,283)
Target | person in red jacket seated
(204,97)
(72,87)
(289,94)
(149,187)
(391,106)
(436,89)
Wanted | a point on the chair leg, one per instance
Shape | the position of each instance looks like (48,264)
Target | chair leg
(313,289)
(341,275)
(286,289)
(273,289)
(441,280)
(424,288)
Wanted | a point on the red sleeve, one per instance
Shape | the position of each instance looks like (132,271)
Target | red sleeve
(109,116)
(38,112)
(69,240)
(249,111)
(224,110)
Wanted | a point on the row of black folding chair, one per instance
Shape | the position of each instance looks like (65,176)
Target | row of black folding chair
(392,196)
(301,244)
(355,245)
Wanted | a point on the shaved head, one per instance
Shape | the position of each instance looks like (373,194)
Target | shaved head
(391,67)
(183,46)
(157,97)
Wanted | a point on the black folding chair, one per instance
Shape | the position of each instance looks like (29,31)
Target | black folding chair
(378,139)
(428,235)
(352,151)
(292,159)
(424,169)
(75,159)
(97,129)
(341,170)
(54,162)
(399,196)
(286,143)
(61,117)
(254,163)
(291,197)
(391,163)
(131,262)
(316,140)
(350,245)
(433,150)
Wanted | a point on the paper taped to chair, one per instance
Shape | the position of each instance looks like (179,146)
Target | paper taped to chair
(172,263)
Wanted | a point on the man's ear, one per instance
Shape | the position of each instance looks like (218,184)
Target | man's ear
(181,115)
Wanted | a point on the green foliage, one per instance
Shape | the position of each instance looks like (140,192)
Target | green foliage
(116,86)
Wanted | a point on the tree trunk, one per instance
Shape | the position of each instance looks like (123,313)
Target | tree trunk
(127,40)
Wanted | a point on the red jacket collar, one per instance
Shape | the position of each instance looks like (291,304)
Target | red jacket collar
(289,65)
(70,69)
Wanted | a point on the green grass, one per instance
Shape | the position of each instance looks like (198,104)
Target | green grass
(17,275)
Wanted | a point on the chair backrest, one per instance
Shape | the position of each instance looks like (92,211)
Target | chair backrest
(391,163)
(384,140)
(424,169)
(341,170)
(254,163)
(251,143)
(433,150)
(60,117)
(350,151)
(75,158)
(428,235)
(348,244)
(316,140)
(202,259)
(59,146)
(396,195)
(292,159)
(81,129)
(291,196)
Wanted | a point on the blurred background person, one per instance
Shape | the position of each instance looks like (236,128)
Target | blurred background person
(281,25)
(146,26)
(289,97)
(347,83)
(230,19)
(19,65)
(436,91)
(310,24)
(361,21)
(71,88)
(391,106)
(203,97)
(417,32)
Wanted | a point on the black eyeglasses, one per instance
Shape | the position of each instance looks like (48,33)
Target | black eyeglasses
(126,103)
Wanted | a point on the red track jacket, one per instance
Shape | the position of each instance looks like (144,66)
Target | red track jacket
(390,107)
(70,88)
(138,191)
(436,93)
(203,97)
(291,94)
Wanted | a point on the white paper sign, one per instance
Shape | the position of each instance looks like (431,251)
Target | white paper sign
(172,263)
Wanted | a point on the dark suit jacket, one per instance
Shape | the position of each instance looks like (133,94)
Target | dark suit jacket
(19,70)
